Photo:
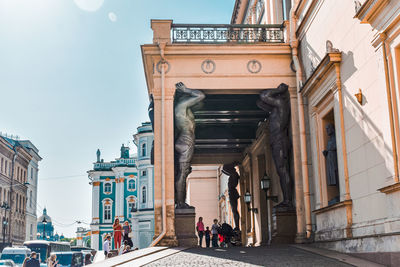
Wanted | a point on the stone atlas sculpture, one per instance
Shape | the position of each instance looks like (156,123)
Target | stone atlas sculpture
(229,169)
(151,116)
(184,101)
(276,103)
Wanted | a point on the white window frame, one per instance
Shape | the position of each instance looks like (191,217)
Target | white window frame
(110,220)
(128,211)
(104,188)
(129,181)
(143,199)
(143,146)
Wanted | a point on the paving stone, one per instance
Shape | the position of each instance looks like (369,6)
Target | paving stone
(283,255)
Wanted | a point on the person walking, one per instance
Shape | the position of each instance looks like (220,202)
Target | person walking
(106,245)
(207,235)
(214,232)
(200,230)
(33,262)
(52,261)
(117,233)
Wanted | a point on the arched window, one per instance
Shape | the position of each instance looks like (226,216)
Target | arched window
(131,205)
(107,188)
(143,149)
(131,184)
(144,194)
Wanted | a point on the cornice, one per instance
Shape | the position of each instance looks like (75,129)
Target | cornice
(322,69)
(370,10)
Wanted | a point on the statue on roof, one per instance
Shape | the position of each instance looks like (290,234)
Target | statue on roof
(124,152)
(98,155)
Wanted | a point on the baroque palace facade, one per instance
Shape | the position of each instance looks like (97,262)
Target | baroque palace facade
(124,189)
(341,61)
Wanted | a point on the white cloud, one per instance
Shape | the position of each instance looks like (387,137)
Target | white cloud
(112,16)
(89,5)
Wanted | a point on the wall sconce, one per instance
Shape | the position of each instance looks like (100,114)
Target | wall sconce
(247,200)
(359,96)
(266,185)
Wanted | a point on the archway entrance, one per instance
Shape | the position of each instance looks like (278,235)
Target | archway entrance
(229,125)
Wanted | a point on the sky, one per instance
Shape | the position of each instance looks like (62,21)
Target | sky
(72,81)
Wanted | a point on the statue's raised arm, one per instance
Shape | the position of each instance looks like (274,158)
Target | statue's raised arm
(195,95)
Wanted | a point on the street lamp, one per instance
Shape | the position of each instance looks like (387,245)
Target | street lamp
(247,200)
(266,185)
(44,221)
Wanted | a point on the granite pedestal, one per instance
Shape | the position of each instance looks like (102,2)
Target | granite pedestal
(185,226)
(283,226)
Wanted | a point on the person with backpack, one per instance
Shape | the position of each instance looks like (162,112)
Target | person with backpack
(214,232)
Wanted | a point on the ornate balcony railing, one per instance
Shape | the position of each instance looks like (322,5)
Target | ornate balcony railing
(227,33)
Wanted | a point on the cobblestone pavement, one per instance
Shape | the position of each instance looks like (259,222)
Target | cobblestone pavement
(239,256)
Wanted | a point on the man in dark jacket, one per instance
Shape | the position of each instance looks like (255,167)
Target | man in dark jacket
(33,262)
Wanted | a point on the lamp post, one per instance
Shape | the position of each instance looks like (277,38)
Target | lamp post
(247,200)
(266,185)
(44,221)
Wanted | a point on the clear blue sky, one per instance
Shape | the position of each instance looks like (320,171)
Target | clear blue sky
(72,81)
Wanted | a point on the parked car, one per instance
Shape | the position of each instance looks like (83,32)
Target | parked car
(7,263)
(69,258)
(16,254)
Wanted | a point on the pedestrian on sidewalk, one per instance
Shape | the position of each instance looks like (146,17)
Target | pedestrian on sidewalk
(123,247)
(117,233)
(33,262)
(207,234)
(214,232)
(52,261)
(126,229)
(200,230)
(106,245)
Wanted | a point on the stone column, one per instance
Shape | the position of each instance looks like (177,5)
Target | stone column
(95,202)
(298,183)
(168,125)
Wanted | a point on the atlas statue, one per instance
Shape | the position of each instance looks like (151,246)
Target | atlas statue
(233,180)
(276,103)
(184,101)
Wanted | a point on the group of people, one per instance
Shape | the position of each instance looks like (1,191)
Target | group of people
(121,236)
(210,235)
(52,261)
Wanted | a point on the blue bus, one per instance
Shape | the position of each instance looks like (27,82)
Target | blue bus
(44,248)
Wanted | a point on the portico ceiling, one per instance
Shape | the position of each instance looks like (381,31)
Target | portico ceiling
(226,124)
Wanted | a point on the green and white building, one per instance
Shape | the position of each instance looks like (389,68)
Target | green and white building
(124,188)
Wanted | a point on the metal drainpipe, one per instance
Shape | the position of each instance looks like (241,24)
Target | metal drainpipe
(303,148)
(163,212)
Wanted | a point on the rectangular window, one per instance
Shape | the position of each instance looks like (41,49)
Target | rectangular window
(107,213)
(2,165)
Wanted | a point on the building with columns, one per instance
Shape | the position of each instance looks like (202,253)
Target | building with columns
(340,60)
(124,189)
